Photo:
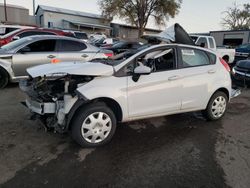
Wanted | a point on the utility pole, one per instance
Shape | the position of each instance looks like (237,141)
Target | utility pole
(5,11)
(34,7)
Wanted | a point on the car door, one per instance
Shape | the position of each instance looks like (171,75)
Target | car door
(71,50)
(157,93)
(198,71)
(35,53)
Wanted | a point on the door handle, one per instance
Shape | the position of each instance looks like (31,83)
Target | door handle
(172,78)
(85,55)
(212,71)
(51,56)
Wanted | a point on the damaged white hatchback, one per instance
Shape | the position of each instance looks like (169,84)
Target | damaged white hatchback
(88,99)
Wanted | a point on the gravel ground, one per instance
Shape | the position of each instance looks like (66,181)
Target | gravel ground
(173,151)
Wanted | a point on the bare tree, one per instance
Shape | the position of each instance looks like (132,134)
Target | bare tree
(138,12)
(237,17)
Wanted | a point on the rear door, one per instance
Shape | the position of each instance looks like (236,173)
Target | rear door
(35,53)
(71,50)
(198,71)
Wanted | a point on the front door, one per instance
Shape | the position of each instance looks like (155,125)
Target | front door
(157,93)
(36,53)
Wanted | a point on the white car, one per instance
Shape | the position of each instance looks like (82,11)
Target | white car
(89,99)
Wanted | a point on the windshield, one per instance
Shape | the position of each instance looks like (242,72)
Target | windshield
(13,45)
(118,45)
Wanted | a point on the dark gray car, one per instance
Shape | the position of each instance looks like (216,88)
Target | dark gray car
(17,56)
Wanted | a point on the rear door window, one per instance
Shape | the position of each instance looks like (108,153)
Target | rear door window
(193,58)
(70,46)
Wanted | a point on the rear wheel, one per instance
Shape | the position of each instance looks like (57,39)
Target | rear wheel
(216,107)
(4,78)
(93,125)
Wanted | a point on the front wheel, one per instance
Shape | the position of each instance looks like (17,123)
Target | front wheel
(216,107)
(93,125)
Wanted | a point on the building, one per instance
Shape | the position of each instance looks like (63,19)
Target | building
(128,31)
(16,15)
(52,17)
(231,38)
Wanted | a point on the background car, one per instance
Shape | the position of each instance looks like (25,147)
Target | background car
(242,52)
(5,29)
(123,46)
(241,73)
(20,33)
(81,35)
(17,56)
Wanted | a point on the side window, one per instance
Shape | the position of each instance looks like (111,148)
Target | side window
(42,46)
(202,41)
(211,42)
(193,58)
(71,46)
(161,60)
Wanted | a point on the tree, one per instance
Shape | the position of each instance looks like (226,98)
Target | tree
(138,12)
(237,17)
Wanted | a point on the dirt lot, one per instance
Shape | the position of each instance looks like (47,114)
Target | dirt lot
(174,151)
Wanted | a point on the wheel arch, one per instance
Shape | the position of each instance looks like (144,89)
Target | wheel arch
(222,89)
(111,103)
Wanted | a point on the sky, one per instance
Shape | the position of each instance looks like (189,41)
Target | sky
(195,15)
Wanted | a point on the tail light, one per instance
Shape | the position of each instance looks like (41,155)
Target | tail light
(224,63)
(3,42)
(109,54)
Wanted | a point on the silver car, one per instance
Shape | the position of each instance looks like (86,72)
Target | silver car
(17,56)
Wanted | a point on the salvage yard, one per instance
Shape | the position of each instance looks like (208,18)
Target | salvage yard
(170,151)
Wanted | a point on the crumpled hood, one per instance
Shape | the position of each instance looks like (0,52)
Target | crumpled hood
(72,68)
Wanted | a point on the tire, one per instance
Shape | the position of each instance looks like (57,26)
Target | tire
(89,134)
(217,102)
(4,78)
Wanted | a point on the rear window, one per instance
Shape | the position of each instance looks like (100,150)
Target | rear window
(81,35)
(71,46)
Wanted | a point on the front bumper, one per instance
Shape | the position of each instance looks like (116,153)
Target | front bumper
(41,108)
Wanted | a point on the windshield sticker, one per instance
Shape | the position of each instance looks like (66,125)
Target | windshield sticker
(188,52)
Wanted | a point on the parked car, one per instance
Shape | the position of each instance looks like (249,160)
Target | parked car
(17,56)
(241,72)
(123,46)
(209,42)
(97,36)
(5,29)
(20,33)
(89,99)
(242,52)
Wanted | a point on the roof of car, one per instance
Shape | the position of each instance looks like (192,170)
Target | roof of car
(52,37)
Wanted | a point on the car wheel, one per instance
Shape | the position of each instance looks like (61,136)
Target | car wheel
(93,125)
(216,107)
(4,78)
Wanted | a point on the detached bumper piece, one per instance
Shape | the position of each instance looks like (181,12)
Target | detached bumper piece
(41,108)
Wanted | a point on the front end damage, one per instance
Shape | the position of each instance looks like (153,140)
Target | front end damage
(52,98)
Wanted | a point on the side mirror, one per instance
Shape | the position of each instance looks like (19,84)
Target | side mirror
(16,38)
(142,70)
(25,50)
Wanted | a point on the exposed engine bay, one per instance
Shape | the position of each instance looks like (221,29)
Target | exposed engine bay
(50,89)
(51,98)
